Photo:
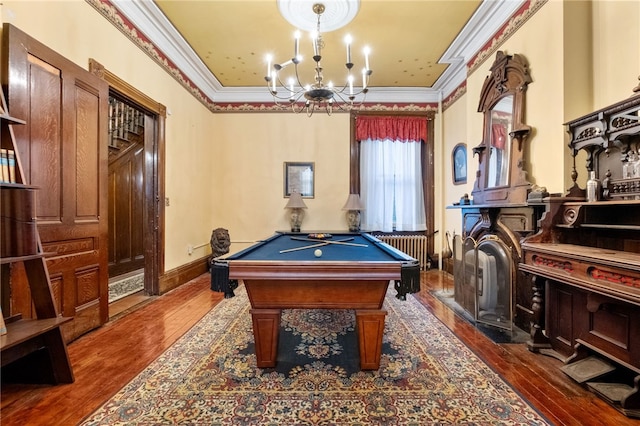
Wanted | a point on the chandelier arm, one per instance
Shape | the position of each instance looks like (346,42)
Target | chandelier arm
(289,99)
(343,100)
(283,98)
(281,84)
(343,92)
(298,78)
(296,98)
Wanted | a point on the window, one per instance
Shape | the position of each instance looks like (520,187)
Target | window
(389,169)
(391,185)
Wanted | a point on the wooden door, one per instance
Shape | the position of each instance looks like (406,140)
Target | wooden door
(64,152)
(126,208)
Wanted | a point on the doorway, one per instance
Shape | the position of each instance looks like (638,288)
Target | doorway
(136,216)
(126,201)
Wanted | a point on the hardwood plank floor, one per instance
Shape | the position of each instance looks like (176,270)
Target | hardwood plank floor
(106,359)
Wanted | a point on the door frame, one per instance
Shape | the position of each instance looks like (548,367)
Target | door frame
(154,173)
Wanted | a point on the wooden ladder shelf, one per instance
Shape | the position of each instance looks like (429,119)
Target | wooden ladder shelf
(31,350)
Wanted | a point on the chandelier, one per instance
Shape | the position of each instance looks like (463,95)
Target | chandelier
(318,95)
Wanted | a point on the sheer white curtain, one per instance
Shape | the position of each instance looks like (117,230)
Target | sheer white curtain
(391,185)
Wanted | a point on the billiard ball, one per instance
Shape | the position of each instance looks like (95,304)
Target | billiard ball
(318,252)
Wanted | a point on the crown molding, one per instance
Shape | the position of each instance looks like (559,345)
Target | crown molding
(148,19)
(151,22)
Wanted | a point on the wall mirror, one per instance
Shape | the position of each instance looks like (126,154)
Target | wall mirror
(501,178)
(500,119)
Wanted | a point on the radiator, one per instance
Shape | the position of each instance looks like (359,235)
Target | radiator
(415,246)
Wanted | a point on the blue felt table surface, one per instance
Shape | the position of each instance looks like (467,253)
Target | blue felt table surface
(270,249)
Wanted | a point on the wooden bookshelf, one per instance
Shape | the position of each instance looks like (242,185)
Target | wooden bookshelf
(33,349)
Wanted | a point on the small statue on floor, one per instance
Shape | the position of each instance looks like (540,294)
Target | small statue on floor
(220,242)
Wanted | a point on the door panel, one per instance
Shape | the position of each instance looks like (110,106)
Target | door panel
(44,85)
(64,149)
(87,155)
(126,208)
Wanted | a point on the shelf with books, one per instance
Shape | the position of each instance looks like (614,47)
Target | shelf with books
(7,166)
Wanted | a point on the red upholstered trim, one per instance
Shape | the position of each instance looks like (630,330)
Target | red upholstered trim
(392,127)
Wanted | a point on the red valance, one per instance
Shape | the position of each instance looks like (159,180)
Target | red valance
(391,127)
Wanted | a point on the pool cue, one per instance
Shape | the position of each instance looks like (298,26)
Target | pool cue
(321,244)
(304,248)
(343,242)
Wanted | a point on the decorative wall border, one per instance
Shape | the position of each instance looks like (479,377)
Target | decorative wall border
(262,107)
(459,91)
(111,13)
(526,11)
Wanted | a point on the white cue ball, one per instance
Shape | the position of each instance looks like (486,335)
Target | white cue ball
(318,252)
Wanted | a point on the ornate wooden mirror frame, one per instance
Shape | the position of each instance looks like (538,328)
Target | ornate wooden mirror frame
(501,178)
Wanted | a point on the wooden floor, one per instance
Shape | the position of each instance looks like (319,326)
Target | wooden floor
(106,359)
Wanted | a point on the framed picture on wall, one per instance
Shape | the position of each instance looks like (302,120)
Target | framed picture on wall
(299,177)
(459,163)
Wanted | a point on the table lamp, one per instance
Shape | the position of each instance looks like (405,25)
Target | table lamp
(353,207)
(296,204)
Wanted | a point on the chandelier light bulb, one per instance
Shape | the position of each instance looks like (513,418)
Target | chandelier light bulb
(348,40)
(291,83)
(366,52)
(315,35)
(296,49)
(269,58)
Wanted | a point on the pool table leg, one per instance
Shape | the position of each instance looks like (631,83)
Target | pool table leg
(266,327)
(370,326)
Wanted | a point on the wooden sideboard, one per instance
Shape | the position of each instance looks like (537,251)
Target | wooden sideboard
(585,263)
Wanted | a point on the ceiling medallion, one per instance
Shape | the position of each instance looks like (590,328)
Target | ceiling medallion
(336,13)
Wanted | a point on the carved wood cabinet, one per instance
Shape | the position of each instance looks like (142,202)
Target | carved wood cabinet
(504,226)
(488,284)
(585,263)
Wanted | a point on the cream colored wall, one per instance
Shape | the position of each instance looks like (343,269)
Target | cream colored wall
(455,131)
(226,169)
(251,150)
(616,50)
(78,32)
(582,56)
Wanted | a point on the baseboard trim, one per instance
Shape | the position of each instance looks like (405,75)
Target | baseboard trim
(182,274)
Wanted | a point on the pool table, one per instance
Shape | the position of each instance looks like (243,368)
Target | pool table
(353,272)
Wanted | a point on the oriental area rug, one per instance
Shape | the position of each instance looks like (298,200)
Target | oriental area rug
(427,376)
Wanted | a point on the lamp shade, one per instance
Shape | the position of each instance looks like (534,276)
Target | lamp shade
(295,202)
(353,203)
